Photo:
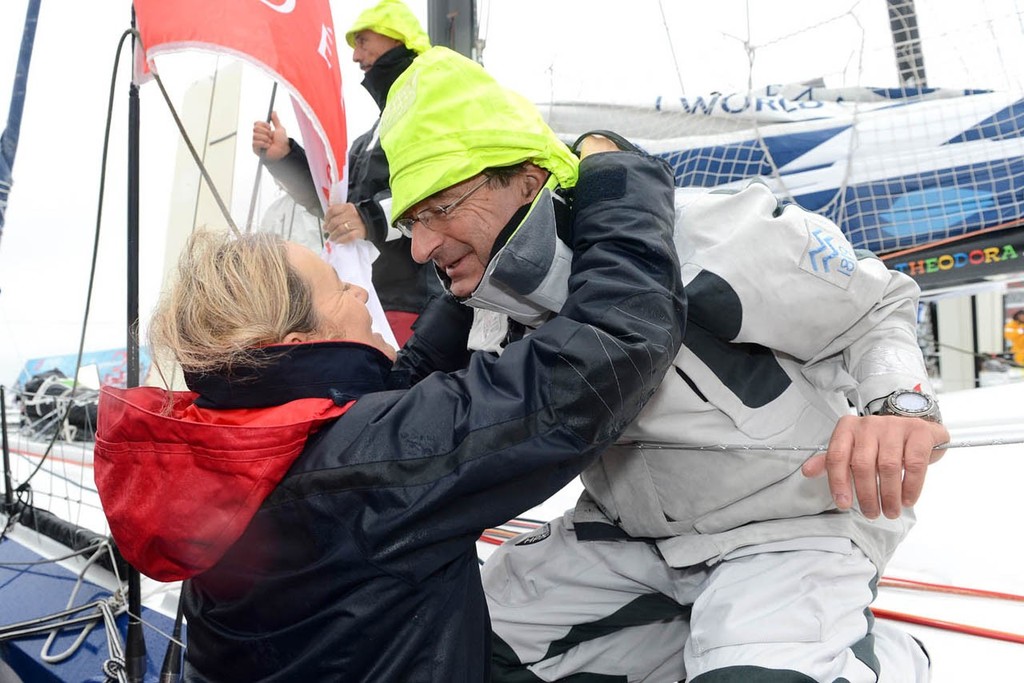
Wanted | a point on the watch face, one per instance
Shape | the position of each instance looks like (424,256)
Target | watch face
(912,402)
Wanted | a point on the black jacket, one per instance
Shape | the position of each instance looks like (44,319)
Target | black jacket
(401,283)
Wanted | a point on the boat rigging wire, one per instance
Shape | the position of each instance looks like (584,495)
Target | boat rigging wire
(206,134)
(672,48)
(99,217)
(818,448)
(95,252)
(192,149)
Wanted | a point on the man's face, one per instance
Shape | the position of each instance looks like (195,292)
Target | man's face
(460,242)
(369,47)
(340,307)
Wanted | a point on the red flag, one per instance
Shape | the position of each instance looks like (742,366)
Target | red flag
(293,41)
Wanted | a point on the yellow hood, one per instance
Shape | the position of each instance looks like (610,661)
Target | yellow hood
(447,120)
(393,19)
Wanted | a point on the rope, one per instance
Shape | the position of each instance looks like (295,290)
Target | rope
(909,584)
(44,654)
(97,544)
(948,625)
(105,610)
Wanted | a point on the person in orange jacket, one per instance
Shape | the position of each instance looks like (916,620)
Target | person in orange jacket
(1013,333)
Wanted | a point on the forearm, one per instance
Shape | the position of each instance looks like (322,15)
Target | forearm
(504,434)
(884,354)
(292,172)
(374,219)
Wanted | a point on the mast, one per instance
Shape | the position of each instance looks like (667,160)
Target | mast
(135,642)
(452,24)
(9,138)
(907,42)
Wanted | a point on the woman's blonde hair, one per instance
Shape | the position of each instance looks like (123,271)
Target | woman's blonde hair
(230,297)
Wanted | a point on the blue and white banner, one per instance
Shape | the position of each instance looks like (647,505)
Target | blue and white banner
(110,366)
(894,169)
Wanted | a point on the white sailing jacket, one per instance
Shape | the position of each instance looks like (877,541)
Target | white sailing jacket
(787,330)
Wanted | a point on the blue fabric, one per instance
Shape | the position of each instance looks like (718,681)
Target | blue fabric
(9,138)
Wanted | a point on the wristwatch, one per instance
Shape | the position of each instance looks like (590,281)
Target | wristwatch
(908,403)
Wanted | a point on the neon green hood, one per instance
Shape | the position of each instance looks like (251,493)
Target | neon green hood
(447,120)
(393,19)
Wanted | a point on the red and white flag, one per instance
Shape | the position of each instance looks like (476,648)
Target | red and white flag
(294,42)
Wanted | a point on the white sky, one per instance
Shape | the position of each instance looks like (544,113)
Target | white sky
(598,50)
(47,241)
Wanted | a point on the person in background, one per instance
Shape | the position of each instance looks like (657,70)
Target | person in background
(324,515)
(292,223)
(700,549)
(384,40)
(1013,333)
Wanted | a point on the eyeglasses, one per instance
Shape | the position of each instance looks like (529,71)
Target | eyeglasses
(424,217)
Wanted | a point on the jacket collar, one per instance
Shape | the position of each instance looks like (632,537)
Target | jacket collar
(527,278)
(339,370)
(180,482)
(382,75)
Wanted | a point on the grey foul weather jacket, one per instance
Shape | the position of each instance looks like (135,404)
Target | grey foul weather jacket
(787,328)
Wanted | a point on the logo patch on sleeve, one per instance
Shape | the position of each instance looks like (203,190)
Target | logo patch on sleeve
(535,536)
(829,255)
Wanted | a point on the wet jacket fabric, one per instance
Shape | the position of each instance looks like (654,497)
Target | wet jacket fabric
(401,283)
(787,327)
(360,563)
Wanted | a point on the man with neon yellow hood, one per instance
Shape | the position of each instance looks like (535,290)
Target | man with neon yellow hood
(384,39)
(681,562)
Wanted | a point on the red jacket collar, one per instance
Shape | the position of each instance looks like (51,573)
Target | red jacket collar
(180,486)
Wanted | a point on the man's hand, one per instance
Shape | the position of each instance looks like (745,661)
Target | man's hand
(886,457)
(343,224)
(272,142)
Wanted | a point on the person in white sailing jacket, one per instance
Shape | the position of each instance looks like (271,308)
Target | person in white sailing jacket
(696,552)
(384,39)
(323,517)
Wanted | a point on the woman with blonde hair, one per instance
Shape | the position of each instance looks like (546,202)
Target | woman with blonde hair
(322,513)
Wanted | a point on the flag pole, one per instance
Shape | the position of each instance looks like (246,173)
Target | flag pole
(259,165)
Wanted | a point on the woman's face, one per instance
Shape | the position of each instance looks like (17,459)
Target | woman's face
(340,307)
